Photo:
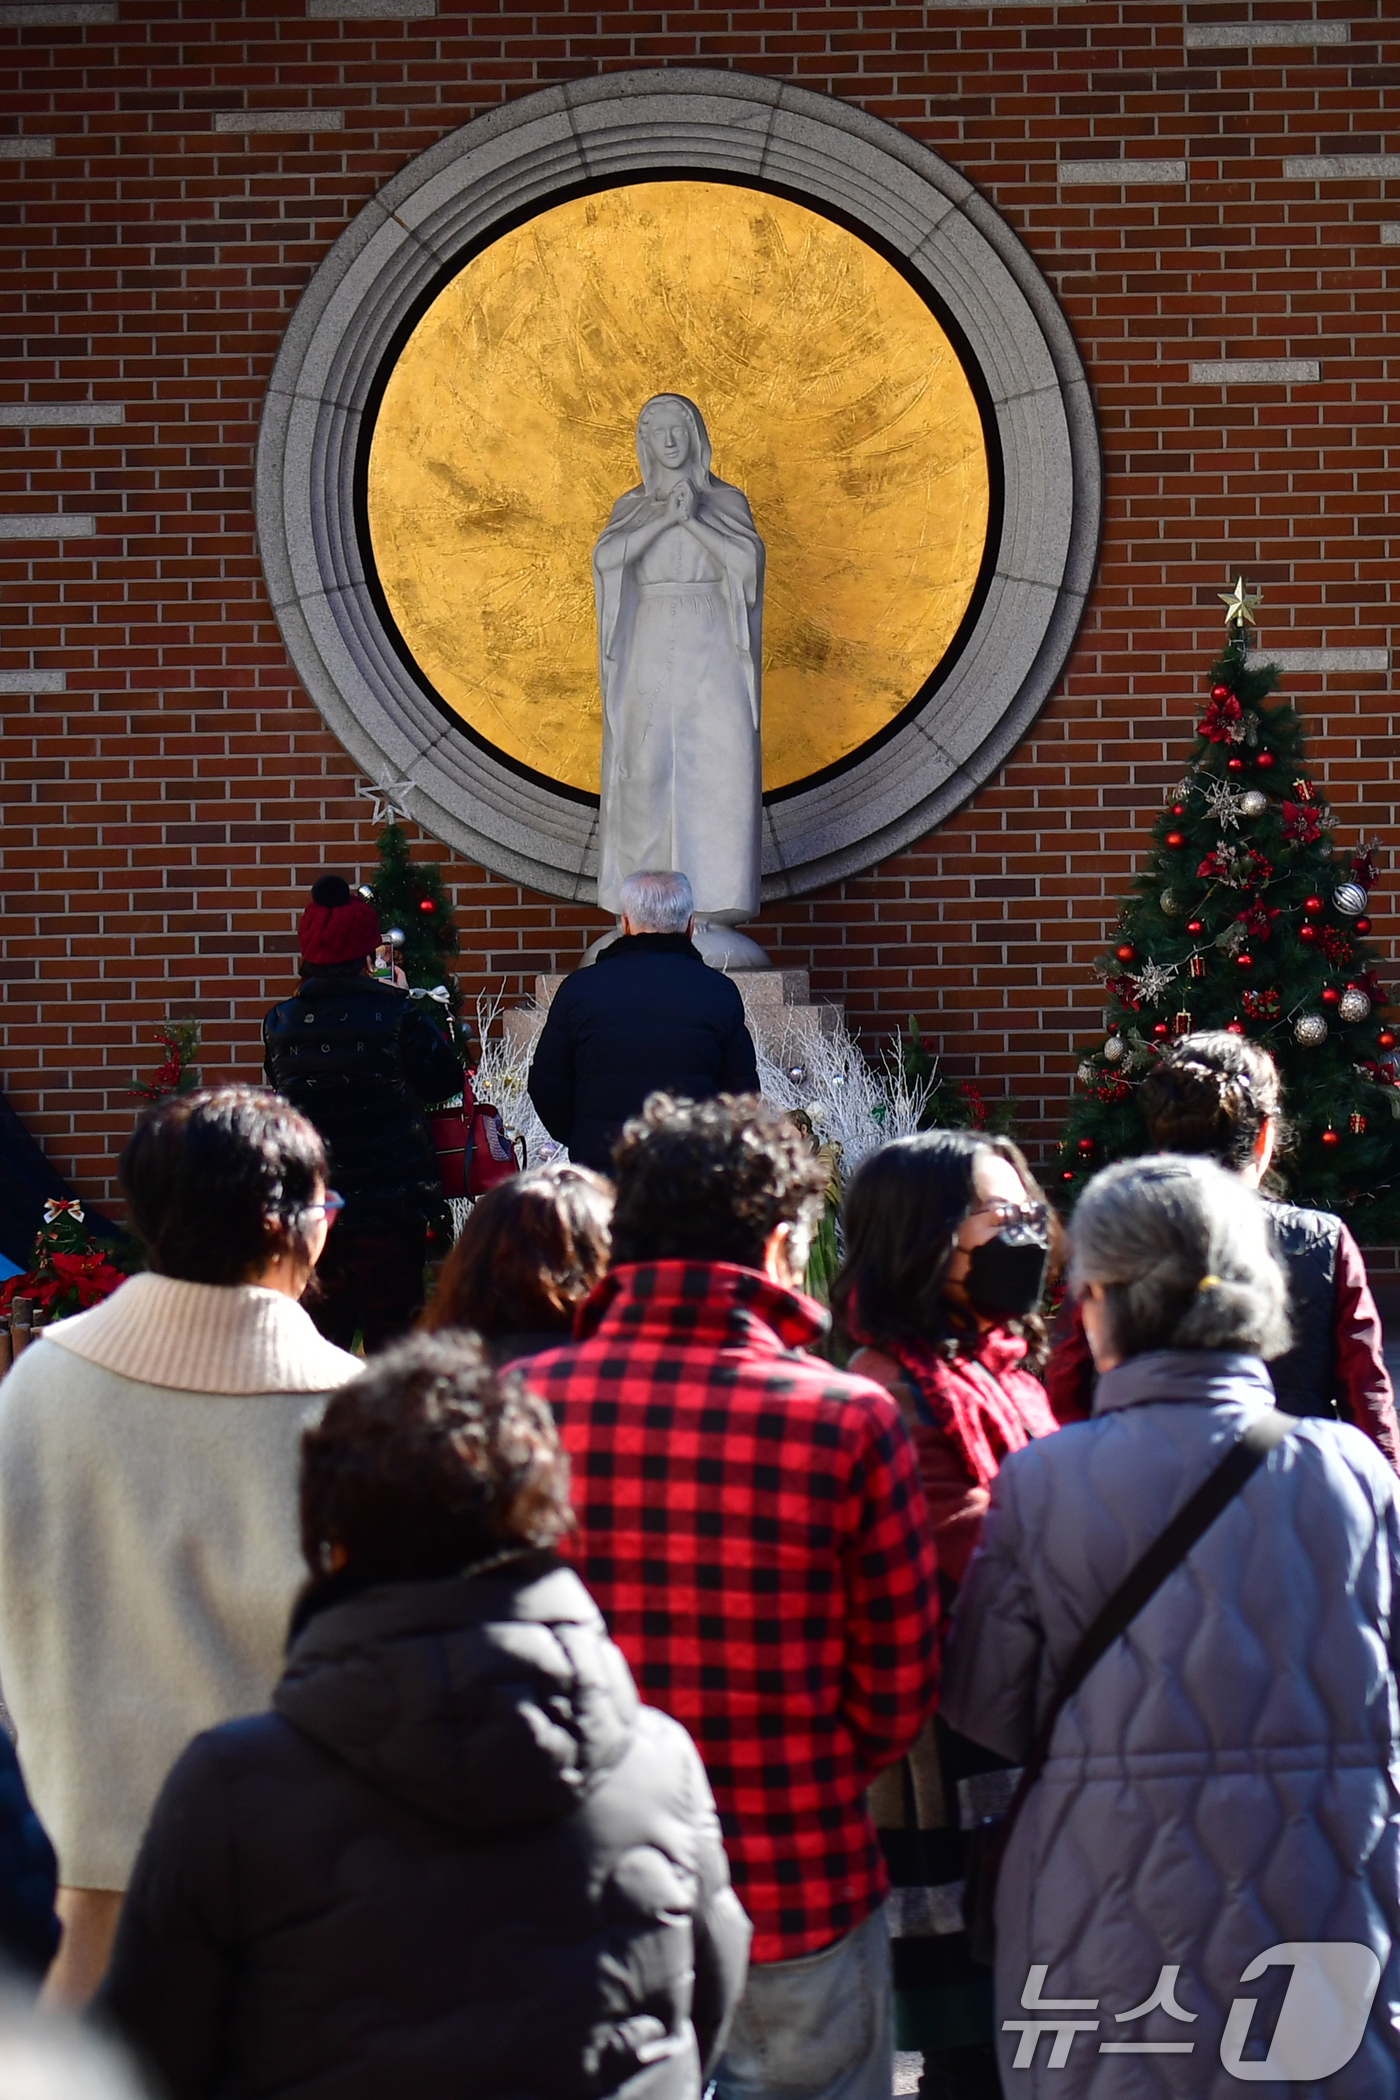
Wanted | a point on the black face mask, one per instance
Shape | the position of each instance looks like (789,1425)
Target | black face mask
(1006,1275)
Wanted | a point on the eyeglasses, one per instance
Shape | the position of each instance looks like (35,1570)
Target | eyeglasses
(329,1207)
(1034,1215)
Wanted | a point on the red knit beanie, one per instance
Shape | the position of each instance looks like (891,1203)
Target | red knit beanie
(336,925)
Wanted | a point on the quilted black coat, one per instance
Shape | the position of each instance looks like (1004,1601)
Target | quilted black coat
(650,1014)
(458,1859)
(360,1061)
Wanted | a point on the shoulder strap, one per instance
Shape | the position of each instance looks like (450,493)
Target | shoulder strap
(1146,1576)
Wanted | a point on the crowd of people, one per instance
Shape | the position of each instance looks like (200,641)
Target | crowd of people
(637,1680)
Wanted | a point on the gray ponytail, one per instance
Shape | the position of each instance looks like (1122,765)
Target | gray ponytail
(1182,1251)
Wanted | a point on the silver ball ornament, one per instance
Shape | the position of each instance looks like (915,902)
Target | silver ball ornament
(1350,898)
(396,936)
(1253,802)
(1310,1030)
(1353,1006)
(1171,904)
(1114,1049)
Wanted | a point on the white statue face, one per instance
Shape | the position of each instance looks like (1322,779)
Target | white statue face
(667,432)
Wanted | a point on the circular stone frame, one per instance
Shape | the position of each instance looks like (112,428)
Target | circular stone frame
(624,126)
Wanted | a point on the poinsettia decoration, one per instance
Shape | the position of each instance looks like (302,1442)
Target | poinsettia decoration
(1302,822)
(68,1271)
(1222,722)
(1240,866)
(1258,919)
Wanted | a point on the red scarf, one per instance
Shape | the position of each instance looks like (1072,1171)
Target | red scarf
(985,1404)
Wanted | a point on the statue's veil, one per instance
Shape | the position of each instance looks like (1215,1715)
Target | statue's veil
(697,466)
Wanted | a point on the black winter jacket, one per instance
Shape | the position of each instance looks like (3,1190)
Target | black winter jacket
(360,1061)
(649,1014)
(458,1860)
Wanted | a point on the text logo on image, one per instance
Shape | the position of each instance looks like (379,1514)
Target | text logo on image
(1318,2031)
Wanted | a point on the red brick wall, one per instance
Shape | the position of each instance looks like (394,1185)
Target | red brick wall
(163,814)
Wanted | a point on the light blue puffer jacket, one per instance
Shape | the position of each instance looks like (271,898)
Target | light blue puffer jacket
(1226,1780)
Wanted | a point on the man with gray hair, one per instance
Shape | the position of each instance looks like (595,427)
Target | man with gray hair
(649,1017)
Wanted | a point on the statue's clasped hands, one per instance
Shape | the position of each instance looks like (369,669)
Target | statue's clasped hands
(680,504)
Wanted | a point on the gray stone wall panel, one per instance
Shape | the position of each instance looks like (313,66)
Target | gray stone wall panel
(616,128)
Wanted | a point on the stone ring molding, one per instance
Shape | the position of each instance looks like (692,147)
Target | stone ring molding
(491,174)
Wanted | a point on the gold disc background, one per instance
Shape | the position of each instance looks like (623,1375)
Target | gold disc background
(832,397)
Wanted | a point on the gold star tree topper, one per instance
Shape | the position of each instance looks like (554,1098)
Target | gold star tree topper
(1239,605)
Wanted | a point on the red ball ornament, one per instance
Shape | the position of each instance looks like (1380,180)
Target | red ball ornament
(1330,1137)
(1219,692)
(1234,765)
(1244,962)
(1307,933)
(1194,926)
(1085,1146)
(426,904)
(1125,951)
(1330,995)
(1264,761)
(1178,809)
(1160,1028)
(1175,838)
(1362,925)
(1234,1028)
(1386,1039)
(1312,904)
(1068,1174)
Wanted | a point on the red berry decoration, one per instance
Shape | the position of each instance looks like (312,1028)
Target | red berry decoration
(1264,761)
(1307,933)
(426,904)
(1175,838)
(1363,925)
(1234,1028)
(1330,1137)
(1386,1039)
(1194,926)
(1219,693)
(1312,904)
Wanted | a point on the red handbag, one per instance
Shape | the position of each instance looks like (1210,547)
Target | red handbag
(474,1152)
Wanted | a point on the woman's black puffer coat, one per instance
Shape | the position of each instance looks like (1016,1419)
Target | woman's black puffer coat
(458,1859)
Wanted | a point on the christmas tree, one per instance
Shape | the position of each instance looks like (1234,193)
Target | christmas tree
(1244,918)
(415,916)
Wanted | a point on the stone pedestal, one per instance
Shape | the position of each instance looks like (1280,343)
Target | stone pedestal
(777,1004)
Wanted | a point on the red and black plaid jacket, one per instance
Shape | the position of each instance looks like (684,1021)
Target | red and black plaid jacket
(752,1524)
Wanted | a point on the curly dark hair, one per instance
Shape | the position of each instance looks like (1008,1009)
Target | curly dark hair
(902,1214)
(531,1250)
(1212,1093)
(428,1463)
(217,1182)
(712,1181)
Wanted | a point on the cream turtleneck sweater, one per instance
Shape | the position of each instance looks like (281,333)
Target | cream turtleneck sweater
(148,1542)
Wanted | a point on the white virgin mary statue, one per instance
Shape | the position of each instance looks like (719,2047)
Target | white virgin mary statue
(678,580)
